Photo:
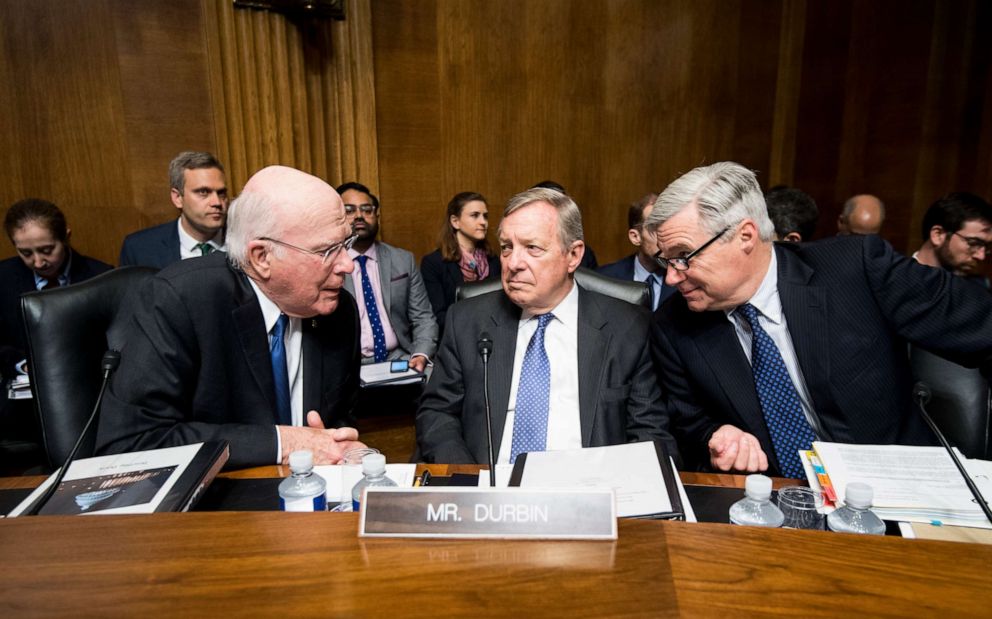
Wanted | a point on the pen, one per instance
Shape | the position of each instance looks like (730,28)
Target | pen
(425,478)
(417,481)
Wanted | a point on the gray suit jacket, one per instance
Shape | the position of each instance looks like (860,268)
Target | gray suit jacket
(406,301)
(619,399)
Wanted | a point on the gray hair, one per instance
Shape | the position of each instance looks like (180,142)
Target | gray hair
(724,194)
(252,215)
(189,160)
(569,217)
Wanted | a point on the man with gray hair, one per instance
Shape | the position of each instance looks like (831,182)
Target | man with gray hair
(570,368)
(769,347)
(258,347)
(199,191)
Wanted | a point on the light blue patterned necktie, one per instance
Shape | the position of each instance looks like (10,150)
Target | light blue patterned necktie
(280,374)
(530,420)
(372,311)
(780,403)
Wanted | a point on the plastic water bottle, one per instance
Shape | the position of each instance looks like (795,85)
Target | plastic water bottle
(756,508)
(856,515)
(304,490)
(374,469)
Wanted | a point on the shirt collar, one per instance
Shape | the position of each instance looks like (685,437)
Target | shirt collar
(640,273)
(189,244)
(567,310)
(270,311)
(63,277)
(766,299)
(371,253)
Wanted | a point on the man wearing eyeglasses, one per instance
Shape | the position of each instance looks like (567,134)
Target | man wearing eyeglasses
(393,307)
(258,347)
(769,347)
(957,235)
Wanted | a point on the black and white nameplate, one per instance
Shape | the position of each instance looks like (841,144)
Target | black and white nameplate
(462,512)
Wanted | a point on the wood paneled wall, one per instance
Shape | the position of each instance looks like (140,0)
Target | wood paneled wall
(613,98)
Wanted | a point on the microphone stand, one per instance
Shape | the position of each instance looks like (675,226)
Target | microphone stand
(111,359)
(921,394)
(485,349)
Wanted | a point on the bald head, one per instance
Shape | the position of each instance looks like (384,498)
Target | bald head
(862,214)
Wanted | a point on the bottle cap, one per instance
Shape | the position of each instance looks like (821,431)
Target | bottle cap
(301,461)
(374,464)
(859,495)
(758,487)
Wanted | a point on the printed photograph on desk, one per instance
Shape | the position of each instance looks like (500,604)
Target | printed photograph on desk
(80,496)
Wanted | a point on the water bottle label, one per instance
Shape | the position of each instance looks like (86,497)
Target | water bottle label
(355,505)
(315,504)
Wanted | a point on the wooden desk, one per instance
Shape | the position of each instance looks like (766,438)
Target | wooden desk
(272,563)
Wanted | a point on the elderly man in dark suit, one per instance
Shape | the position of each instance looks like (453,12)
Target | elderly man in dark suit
(241,346)
(771,346)
(199,191)
(570,367)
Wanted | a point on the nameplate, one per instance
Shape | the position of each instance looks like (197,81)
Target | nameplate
(460,512)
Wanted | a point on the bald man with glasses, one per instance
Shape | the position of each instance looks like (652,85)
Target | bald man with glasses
(258,346)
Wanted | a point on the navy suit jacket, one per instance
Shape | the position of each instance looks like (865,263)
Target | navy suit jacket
(619,399)
(196,366)
(624,269)
(156,247)
(15,280)
(851,304)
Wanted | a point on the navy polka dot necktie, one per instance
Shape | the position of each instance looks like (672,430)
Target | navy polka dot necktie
(530,420)
(787,425)
(372,311)
(277,350)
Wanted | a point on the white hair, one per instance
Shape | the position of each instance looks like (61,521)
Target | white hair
(569,217)
(251,216)
(724,194)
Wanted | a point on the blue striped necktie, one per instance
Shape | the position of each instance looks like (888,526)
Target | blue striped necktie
(530,420)
(372,311)
(780,403)
(280,373)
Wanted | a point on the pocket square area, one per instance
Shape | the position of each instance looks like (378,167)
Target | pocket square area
(399,277)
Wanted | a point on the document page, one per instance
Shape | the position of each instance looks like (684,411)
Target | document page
(631,470)
(379,374)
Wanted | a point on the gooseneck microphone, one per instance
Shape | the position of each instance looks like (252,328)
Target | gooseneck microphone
(485,350)
(921,394)
(111,359)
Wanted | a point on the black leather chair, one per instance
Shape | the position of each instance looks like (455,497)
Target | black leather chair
(68,331)
(629,291)
(960,402)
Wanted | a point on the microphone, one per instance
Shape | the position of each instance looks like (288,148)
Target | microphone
(485,350)
(111,359)
(921,395)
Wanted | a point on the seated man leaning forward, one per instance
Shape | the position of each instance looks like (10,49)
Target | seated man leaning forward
(570,368)
(240,346)
(772,346)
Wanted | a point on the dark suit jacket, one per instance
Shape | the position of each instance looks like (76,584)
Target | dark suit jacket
(15,280)
(851,304)
(624,269)
(156,247)
(196,366)
(619,399)
(442,279)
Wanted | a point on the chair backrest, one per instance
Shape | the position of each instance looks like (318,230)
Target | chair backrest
(68,330)
(959,404)
(629,291)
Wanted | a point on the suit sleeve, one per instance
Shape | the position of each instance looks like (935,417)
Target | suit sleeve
(149,403)
(127,254)
(647,416)
(439,418)
(420,314)
(930,307)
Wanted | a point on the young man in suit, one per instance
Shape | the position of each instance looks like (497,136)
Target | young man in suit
(396,317)
(641,265)
(570,368)
(240,346)
(770,347)
(199,191)
(957,235)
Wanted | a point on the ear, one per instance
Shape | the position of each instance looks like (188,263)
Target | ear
(575,253)
(937,236)
(260,259)
(747,235)
(453,220)
(793,237)
(635,237)
(68,235)
(177,198)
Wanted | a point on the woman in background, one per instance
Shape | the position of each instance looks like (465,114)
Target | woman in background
(464,254)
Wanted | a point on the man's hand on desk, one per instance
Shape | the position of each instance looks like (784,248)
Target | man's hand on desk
(418,363)
(732,449)
(328,446)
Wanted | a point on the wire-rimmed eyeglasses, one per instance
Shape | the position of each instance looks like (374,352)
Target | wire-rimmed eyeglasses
(681,263)
(325,254)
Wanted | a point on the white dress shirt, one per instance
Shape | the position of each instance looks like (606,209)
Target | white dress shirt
(561,343)
(188,245)
(293,341)
(772,320)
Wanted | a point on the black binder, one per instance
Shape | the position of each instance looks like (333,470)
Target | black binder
(667,478)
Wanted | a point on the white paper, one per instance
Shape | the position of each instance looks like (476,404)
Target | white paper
(378,373)
(503,472)
(341,478)
(631,470)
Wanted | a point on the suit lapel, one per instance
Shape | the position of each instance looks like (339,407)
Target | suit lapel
(385,273)
(254,343)
(505,320)
(593,344)
(312,366)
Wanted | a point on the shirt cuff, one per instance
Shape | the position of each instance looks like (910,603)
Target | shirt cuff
(278,446)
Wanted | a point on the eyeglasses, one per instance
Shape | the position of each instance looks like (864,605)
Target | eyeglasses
(682,262)
(976,244)
(366,209)
(325,254)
